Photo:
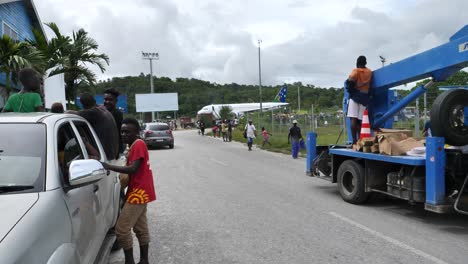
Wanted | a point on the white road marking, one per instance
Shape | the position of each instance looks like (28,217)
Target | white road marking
(219,162)
(389,239)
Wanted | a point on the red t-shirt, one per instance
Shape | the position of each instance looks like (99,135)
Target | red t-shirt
(141,186)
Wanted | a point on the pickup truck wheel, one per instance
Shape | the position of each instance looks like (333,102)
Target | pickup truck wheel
(448,117)
(351,182)
(171,146)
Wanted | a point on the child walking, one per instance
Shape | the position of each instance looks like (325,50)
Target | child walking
(266,137)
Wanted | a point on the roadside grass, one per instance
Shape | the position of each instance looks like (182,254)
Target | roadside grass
(279,141)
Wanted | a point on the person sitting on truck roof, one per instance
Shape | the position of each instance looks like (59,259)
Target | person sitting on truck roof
(358,85)
(57,108)
(27,100)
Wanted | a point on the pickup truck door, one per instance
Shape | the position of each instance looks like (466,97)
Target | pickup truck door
(106,193)
(82,202)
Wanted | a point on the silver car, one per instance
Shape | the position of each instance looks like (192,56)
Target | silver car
(158,134)
(57,204)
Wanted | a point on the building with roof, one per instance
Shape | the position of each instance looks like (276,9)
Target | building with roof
(17,19)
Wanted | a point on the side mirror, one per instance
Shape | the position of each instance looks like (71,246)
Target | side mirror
(84,172)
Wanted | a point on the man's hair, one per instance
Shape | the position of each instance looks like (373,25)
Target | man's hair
(112,91)
(361,62)
(57,108)
(132,121)
(28,76)
(87,100)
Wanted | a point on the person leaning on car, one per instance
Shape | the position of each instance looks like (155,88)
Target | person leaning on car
(139,193)
(102,122)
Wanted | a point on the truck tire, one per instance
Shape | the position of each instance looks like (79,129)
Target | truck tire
(351,182)
(447,117)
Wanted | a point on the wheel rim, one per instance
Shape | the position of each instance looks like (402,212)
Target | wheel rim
(349,183)
(456,119)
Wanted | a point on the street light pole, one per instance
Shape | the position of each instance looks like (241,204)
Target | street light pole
(298,99)
(151,56)
(383,60)
(260,81)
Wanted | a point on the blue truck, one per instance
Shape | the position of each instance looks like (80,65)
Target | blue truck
(438,179)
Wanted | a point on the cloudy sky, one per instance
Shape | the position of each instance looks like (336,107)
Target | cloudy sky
(316,42)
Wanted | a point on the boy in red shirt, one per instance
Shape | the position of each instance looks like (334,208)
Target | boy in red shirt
(139,193)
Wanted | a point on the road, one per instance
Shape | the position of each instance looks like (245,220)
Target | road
(219,203)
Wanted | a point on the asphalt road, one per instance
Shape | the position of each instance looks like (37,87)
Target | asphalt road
(219,203)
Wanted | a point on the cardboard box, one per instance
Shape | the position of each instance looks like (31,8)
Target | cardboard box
(375,148)
(394,147)
(367,141)
(357,147)
(408,133)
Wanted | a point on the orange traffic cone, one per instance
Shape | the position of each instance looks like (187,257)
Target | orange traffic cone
(365,126)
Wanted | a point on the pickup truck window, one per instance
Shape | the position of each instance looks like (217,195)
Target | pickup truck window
(22,157)
(68,149)
(89,140)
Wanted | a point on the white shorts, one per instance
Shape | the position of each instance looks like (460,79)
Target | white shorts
(355,110)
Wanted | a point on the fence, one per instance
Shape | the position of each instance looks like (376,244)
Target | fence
(329,125)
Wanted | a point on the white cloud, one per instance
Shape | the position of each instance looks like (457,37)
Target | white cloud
(314,42)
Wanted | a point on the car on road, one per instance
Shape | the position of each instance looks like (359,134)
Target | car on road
(158,134)
(58,205)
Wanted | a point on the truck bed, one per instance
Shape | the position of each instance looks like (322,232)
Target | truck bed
(406,160)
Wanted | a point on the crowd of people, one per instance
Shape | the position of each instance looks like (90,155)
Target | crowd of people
(221,128)
(115,133)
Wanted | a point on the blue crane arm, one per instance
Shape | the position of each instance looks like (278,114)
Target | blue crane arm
(439,63)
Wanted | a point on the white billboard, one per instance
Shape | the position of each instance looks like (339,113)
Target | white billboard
(157,102)
(54,91)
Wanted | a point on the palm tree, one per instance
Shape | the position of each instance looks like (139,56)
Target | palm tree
(16,55)
(71,56)
(225,112)
(53,50)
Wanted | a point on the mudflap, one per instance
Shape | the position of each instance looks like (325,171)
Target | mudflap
(321,164)
(461,204)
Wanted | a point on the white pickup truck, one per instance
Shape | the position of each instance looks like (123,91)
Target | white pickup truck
(57,204)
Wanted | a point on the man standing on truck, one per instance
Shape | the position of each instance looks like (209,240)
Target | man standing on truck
(140,192)
(358,85)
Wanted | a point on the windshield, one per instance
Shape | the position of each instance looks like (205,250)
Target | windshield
(158,127)
(22,157)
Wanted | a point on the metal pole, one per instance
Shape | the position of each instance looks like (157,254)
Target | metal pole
(260,80)
(298,98)
(313,119)
(416,119)
(425,108)
(151,84)
(272,125)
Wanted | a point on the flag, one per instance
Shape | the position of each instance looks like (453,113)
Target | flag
(281,96)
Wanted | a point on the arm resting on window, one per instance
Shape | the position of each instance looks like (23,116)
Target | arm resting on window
(131,169)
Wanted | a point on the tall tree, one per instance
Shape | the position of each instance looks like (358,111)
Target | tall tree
(53,50)
(225,112)
(73,56)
